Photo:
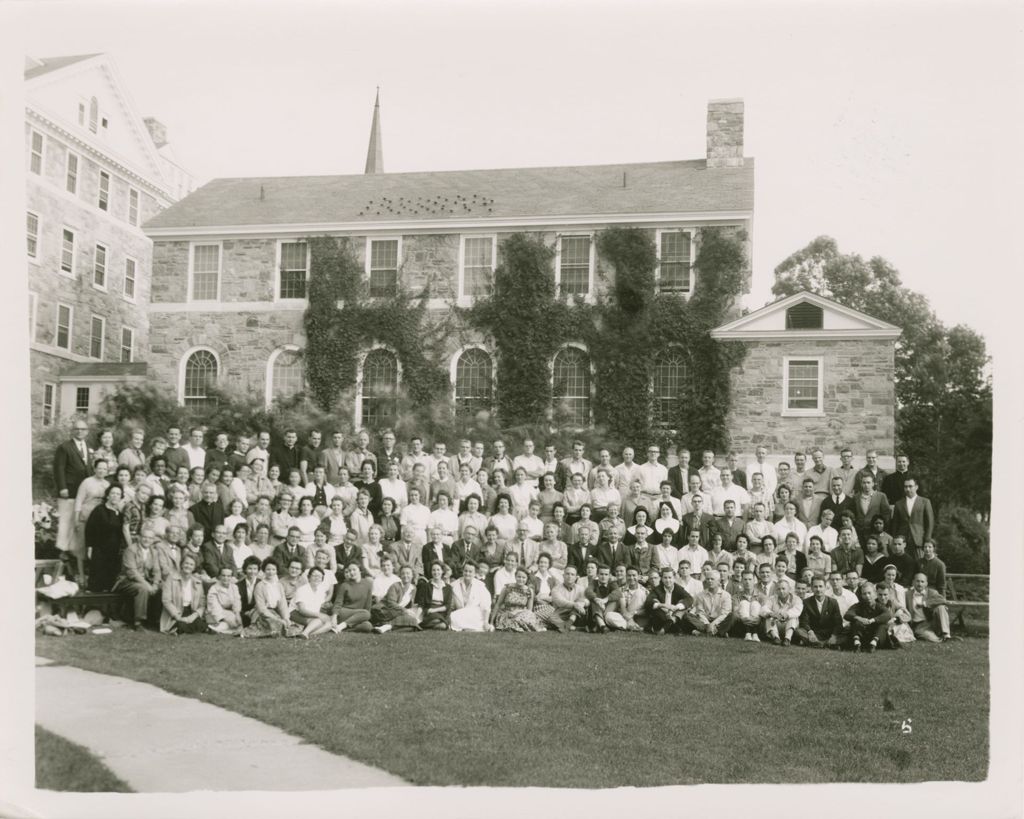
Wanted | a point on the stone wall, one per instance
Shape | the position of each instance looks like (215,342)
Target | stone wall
(725,133)
(858,396)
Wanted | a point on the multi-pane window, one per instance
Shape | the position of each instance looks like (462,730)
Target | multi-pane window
(67,252)
(294,258)
(286,379)
(474,384)
(200,375)
(96,328)
(99,267)
(32,226)
(803,384)
(379,389)
(62,337)
(477,266)
(35,160)
(571,386)
(49,393)
(82,400)
(384,267)
(668,382)
(129,278)
(133,206)
(574,265)
(71,182)
(104,197)
(205,272)
(674,264)
(127,344)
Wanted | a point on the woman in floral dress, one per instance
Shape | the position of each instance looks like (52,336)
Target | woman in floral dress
(514,609)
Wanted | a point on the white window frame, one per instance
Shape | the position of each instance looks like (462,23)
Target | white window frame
(668,348)
(103,336)
(39,235)
(183,364)
(453,367)
(33,312)
(579,345)
(99,190)
(464,299)
(358,409)
(88,391)
(369,256)
(135,279)
(268,395)
(657,251)
(131,347)
(191,271)
(52,387)
(60,258)
(67,172)
(71,327)
(138,206)
(106,265)
(32,134)
(589,295)
(787,412)
(277,270)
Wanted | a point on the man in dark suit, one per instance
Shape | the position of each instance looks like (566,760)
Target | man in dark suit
(893,483)
(217,554)
(389,453)
(837,501)
(679,475)
(877,474)
(286,455)
(699,520)
(866,504)
(583,550)
(666,606)
(820,621)
(71,466)
(209,512)
(913,518)
(808,505)
(739,476)
(729,527)
(612,552)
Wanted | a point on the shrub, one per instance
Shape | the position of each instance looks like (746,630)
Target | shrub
(962,541)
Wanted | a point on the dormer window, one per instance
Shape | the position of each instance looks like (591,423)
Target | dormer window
(804,316)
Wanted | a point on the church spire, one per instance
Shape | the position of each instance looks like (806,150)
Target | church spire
(375,151)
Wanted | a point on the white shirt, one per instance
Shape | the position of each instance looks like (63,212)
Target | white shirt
(705,508)
(329,491)
(417,517)
(394,489)
(196,455)
(910,503)
(651,476)
(533,464)
(502,578)
(846,599)
(710,478)
(448,522)
(734,493)
(625,475)
(464,490)
(313,600)
(784,527)
(381,584)
(697,557)
(771,480)
(829,537)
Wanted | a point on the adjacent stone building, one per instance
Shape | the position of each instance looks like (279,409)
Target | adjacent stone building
(96,171)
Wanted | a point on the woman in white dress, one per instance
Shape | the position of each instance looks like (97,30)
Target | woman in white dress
(503,520)
(307,520)
(471,602)
(521,492)
(444,518)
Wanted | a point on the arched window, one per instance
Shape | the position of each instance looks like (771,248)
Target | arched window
(378,397)
(474,383)
(200,375)
(668,383)
(571,386)
(286,375)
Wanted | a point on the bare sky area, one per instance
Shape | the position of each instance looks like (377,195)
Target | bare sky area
(893,128)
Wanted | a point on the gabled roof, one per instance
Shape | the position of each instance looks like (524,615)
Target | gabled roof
(838,322)
(37,66)
(682,187)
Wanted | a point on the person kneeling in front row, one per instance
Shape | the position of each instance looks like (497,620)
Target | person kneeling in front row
(782,613)
(869,619)
(712,608)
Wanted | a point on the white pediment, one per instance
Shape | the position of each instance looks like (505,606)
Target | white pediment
(837,321)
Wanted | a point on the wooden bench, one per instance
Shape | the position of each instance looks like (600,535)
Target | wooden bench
(957,605)
(54,568)
(113,605)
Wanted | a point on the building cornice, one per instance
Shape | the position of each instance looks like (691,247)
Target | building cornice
(803,335)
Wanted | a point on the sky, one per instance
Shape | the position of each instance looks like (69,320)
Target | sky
(892,127)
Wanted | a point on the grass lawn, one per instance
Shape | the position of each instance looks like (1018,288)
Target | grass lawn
(65,766)
(582,710)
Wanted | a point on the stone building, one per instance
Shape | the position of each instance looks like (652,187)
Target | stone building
(231,261)
(96,171)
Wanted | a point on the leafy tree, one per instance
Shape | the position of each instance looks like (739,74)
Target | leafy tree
(943,391)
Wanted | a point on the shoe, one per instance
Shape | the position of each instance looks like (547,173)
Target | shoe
(383,629)
(785,641)
(856,645)
(660,632)
(871,647)
(696,633)
(755,638)
(748,636)
(946,638)
(776,641)
(337,629)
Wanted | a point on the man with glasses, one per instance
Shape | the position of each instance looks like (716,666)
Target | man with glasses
(71,466)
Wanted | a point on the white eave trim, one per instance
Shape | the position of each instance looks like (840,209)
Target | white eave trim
(802,335)
(411,226)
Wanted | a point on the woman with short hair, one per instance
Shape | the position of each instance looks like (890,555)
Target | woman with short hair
(352,602)
(548,496)
(281,519)
(471,516)
(307,520)
(503,520)
(104,538)
(434,597)
(184,602)
(270,607)
(444,517)
(307,605)
(513,610)
(398,609)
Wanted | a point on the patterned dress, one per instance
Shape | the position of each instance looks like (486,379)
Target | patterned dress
(515,614)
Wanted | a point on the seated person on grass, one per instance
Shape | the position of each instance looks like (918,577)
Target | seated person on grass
(711,613)
(868,620)
(821,623)
(568,602)
(625,609)
(929,617)
(667,605)
(353,599)
(598,593)
(746,609)
(224,605)
(781,613)
(307,605)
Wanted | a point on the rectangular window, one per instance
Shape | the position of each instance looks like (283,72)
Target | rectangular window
(81,113)
(62,337)
(104,199)
(383,267)
(133,207)
(477,265)
(294,264)
(127,344)
(574,265)
(82,400)
(674,261)
(205,273)
(802,386)
(129,278)
(96,329)
(67,252)
(49,391)
(72,173)
(32,227)
(99,267)
(35,160)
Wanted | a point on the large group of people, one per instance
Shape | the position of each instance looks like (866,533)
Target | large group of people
(277,538)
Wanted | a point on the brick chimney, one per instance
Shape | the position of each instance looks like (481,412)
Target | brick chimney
(158,131)
(725,133)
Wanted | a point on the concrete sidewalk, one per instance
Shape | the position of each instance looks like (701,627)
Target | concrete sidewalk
(160,742)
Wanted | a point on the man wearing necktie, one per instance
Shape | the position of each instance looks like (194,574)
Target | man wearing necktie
(70,467)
